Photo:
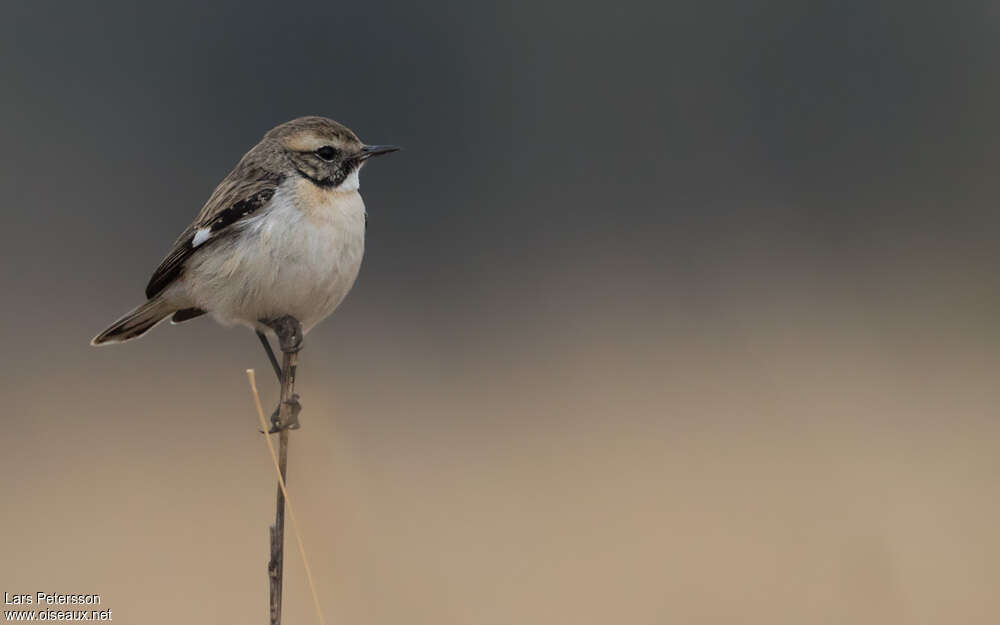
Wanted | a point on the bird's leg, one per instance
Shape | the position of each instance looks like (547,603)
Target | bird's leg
(275,418)
(270,354)
(289,333)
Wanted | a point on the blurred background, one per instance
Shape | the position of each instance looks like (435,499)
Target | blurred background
(673,314)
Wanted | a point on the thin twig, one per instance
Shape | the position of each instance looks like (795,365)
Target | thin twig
(276,565)
(283,493)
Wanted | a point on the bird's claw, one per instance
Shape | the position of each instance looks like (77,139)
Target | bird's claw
(294,408)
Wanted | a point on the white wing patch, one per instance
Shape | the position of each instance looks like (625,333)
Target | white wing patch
(200,236)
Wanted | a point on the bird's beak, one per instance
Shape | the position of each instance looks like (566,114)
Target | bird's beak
(369,151)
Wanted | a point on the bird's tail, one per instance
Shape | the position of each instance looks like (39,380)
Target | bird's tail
(136,322)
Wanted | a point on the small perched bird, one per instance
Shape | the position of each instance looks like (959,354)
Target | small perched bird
(280,238)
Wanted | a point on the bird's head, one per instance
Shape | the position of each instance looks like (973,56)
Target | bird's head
(327,153)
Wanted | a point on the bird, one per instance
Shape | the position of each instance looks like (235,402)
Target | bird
(278,244)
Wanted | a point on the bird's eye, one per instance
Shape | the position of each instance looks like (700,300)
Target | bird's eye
(326,153)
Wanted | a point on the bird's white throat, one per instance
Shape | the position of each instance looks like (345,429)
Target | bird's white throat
(352,182)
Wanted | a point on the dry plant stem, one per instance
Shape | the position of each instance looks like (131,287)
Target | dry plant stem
(275,567)
(288,500)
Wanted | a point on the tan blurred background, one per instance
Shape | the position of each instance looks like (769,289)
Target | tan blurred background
(675,315)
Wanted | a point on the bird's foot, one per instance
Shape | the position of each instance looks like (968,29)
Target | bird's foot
(289,332)
(294,408)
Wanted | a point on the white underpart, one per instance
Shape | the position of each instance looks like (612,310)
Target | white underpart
(200,236)
(299,255)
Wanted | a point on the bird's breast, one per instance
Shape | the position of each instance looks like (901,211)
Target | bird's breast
(299,256)
(317,229)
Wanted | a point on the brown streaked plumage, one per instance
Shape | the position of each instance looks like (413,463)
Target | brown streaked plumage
(251,254)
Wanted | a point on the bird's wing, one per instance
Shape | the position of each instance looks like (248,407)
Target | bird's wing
(243,192)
